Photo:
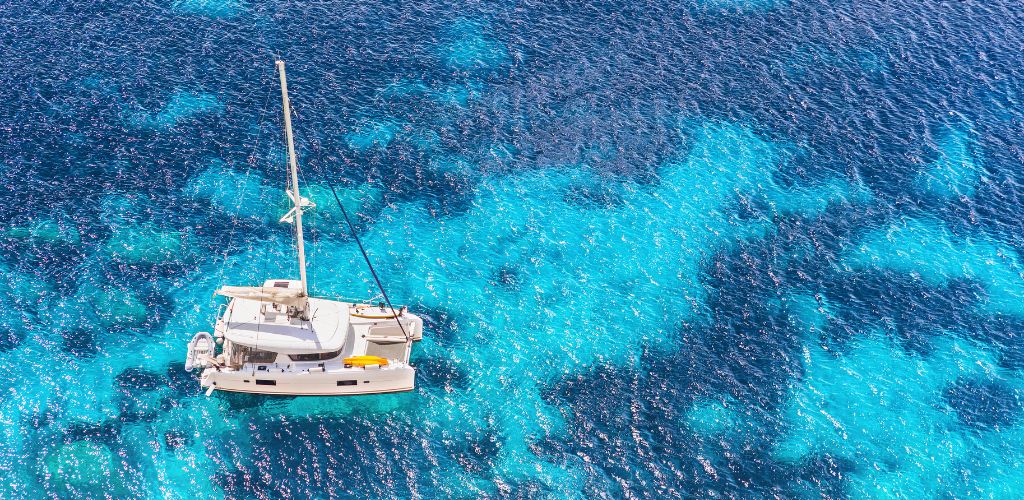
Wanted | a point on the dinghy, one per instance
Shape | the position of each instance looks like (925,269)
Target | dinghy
(200,351)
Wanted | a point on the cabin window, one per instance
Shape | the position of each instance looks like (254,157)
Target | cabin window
(266,382)
(348,382)
(257,356)
(315,356)
(240,354)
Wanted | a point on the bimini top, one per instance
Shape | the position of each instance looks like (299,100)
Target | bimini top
(267,327)
(285,295)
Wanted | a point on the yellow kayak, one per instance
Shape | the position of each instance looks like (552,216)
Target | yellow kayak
(363,361)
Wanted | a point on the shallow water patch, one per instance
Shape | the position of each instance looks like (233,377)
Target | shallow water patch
(242,194)
(373,133)
(592,285)
(469,45)
(712,417)
(181,106)
(956,169)
(883,410)
(84,468)
(58,230)
(210,8)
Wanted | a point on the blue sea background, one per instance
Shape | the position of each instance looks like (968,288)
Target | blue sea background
(749,248)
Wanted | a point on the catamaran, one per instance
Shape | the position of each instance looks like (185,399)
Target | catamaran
(278,339)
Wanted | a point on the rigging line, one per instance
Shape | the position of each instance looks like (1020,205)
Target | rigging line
(362,250)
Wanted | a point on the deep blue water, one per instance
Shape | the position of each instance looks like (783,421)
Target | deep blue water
(713,247)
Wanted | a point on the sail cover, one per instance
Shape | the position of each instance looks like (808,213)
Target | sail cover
(284,296)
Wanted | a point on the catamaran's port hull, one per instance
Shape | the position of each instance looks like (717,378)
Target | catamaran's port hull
(349,382)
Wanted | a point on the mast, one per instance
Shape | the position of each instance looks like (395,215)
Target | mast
(293,166)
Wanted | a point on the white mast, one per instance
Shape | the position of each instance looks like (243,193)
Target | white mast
(296,199)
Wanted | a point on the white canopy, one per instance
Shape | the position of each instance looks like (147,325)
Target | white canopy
(277,295)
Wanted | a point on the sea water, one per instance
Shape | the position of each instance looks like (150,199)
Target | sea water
(699,248)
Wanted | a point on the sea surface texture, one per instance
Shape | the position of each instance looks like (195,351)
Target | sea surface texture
(748,248)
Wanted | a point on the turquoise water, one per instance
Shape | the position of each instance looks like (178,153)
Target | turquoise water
(716,248)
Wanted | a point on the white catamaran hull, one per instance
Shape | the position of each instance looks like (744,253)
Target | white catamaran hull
(345,382)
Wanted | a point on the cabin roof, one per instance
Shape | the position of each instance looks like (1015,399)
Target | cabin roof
(266,326)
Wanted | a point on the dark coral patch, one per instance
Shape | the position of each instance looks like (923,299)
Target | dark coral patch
(984,403)
(181,381)
(79,342)
(104,432)
(176,439)
(477,453)
(441,373)
(507,277)
(10,339)
(139,379)
(439,324)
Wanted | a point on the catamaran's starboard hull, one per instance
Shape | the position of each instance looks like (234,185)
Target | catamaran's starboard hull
(349,382)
